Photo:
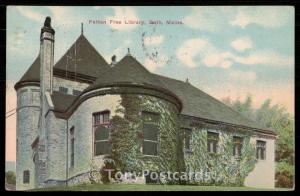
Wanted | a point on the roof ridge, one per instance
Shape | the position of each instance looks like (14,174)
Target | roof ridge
(72,45)
(170,78)
(133,58)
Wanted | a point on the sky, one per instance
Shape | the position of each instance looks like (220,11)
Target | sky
(225,51)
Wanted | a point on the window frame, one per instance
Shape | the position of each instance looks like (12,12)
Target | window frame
(260,148)
(214,140)
(26,177)
(158,132)
(237,142)
(96,125)
(185,131)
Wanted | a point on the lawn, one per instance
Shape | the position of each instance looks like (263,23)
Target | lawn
(142,187)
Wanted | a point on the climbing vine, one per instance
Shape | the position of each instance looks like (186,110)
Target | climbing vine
(126,138)
(220,168)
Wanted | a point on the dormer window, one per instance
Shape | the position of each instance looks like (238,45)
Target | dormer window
(63,90)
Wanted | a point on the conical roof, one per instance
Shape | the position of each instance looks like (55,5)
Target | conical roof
(32,74)
(82,58)
(127,71)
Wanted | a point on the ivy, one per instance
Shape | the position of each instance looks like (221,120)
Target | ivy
(222,168)
(127,140)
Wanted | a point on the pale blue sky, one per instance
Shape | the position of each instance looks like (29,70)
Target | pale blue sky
(236,49)
(225,51)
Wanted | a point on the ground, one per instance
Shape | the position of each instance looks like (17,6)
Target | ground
(139,187)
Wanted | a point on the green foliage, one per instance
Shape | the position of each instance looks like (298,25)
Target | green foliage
(222,167)
(10,177)
(278,119)
(127,135)
(104,171)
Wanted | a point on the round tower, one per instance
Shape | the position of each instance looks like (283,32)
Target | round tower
(28,111)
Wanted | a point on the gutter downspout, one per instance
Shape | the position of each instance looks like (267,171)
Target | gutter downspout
(67,164)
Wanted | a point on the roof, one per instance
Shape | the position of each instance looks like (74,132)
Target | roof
(32,74)
(62,101)
(86,58)
(90,63)
(127,71)
(197,103)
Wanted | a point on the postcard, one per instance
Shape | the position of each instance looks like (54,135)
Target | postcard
(178,98)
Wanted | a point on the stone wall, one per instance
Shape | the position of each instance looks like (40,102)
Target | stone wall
(81,119)
(59,82)
(28,111)
(251,172)
(263,174)
(56,146)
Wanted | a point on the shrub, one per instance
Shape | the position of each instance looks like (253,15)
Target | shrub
(10,177)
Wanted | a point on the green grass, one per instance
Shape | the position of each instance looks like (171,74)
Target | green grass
(142,187)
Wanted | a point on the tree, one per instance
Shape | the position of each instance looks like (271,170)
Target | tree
(10,177)
(278,119)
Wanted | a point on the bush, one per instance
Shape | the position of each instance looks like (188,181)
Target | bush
(284,180)
(108,165)
(10,177)
(285,175)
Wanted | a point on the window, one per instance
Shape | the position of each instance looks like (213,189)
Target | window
(102,144)
(101,118)
(63,90)
(150,132)
(260,150)
(72,146)
(187,139)
(26,177)
(237,146)
(76,92)
(212,142)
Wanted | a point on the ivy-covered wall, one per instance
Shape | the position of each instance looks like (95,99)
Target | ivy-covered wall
(126,138)
(220,168)
(127,135)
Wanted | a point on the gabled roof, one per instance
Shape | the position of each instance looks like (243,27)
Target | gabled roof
(127,71)
(32,74)
(197,103)
(86,58)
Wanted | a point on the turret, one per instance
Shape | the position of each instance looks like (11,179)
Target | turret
(28,111)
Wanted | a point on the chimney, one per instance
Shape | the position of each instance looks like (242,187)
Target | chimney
(46,81)
(113,60)
(47,56)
